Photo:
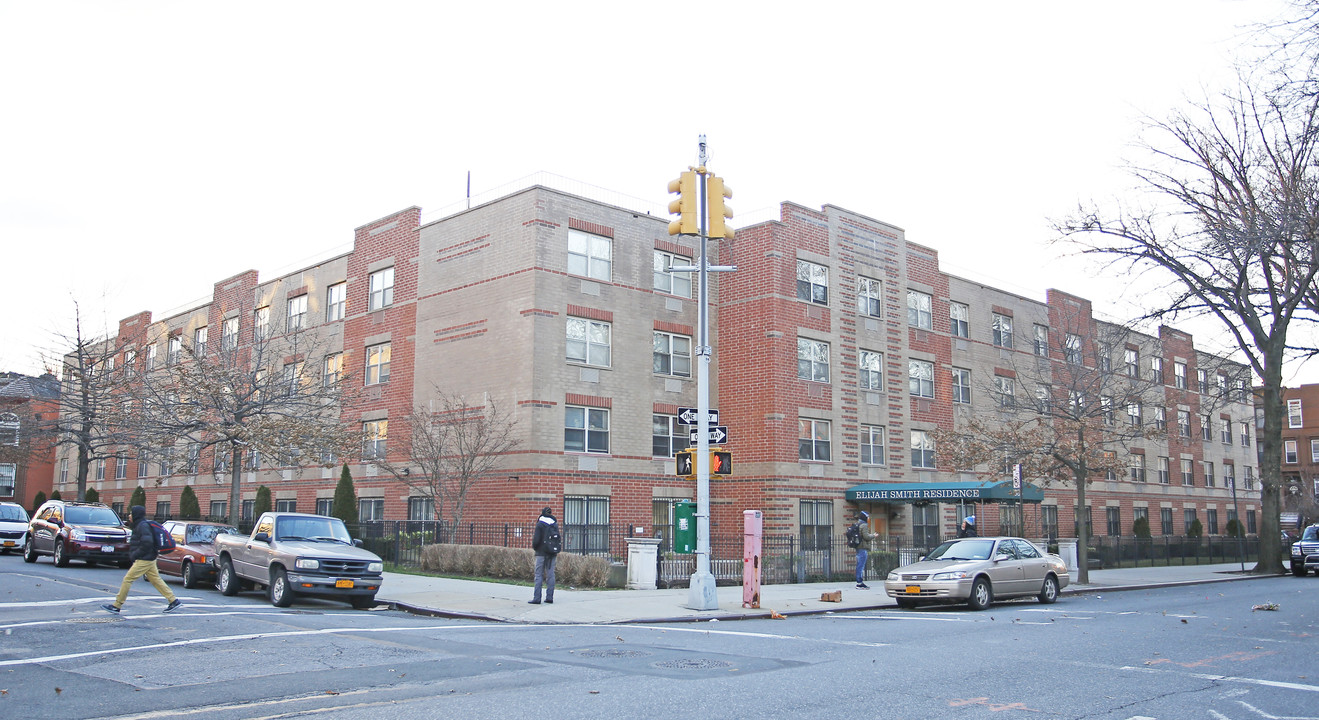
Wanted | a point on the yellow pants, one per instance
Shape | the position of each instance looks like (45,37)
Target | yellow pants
(142,568)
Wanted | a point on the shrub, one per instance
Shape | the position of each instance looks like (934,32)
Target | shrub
(139,497)
(1141,527)
(189,507)
(38,500)
(56,495)
(262,503)
(344,506)
(1196,529)
(1234,528)
(91,495)
(512,563)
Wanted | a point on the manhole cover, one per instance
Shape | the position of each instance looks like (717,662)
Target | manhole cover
(95,621)
(687,664)
(613,653)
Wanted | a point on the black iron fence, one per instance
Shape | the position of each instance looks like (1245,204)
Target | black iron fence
(1116,551)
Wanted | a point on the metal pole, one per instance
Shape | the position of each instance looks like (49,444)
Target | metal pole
(1241,527)
(701,593)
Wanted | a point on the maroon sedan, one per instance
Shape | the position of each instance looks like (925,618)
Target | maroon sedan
(194,558)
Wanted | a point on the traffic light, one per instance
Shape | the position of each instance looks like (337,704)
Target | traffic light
(686,206)
(721,462)
(715,192)
(685,466)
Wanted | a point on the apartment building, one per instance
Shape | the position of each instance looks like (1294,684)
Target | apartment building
(1300,454)
(27,454)
(839,348)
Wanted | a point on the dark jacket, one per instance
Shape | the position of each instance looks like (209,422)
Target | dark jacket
(967,531)
(142,543)
(546,527)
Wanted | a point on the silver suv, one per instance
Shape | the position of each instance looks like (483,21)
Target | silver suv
(1305,552)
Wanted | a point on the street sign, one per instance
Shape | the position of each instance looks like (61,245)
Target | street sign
(689,416)
(684,464)
(718,435)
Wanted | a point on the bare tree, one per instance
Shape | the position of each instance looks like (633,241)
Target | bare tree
(1234,232)
(453,445)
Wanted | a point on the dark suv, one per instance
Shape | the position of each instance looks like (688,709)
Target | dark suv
(69,530)
(1305,552)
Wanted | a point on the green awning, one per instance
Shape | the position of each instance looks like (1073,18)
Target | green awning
(949,492)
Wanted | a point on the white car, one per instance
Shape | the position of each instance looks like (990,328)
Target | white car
(977,571)
(13,527)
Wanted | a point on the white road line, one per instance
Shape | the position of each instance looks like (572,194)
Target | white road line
(1227,678)
(928,617)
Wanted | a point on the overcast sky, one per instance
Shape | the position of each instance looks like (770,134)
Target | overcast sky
(151,149)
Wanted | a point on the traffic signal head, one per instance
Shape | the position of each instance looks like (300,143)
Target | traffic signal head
(721,462)
(686,206)
(715,193)
(684,465)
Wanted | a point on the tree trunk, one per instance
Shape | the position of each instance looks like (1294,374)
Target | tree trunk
(1269,442)
(1082,532)
(235,485)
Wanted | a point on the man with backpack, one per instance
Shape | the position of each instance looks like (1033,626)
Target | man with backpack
(142,551)
(858,537)
(547,543)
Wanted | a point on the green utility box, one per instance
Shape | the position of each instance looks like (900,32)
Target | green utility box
(684,527)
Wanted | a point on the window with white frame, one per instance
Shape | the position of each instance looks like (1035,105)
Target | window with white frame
(1133,414)
(1249,470)
(64,470)
(1294,417)
(228,339)
(813,439)
(325,506)
(1072,349)
(377,364)
(1225,431)
(672,354)
(1137,468)
(1006,390)
(920,378)
(869,297)
(961,385)
(370,509)
(673,283)
(1289,452)
(375,436)
(922,449)
(1242,395)
(1105,357)
(812,360)
(1164,473)
(261,323)
(588,342)
(870,368)
(380,290)
(1206,428)
(1229,475)
(1001,325)
(590,255)
(812,282)
(667,436)
(585,429)
(1188,472)
(815,523)
(9,429)
(199,341)
(1131,358)
(1042,341)
(1184,423)
(1314,451)
(333,371)
(920,310)
(175,350)
(100,469)
(297,313)
(8,479)
(1208,466)
(1202,381)
(1106,407)
(1156,370)
(150,352)
(1160,418)
(336,297)
(959,317)
(1220,382)
(1245,434)
(421,508)
(1179,375)
(872,444)
(1044,398)
(287,505)
(586,524)
(120,467)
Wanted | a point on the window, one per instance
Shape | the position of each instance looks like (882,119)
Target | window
(1225,432)
(1188,472)
(219,510)
(1206,428)
(1105,357)
(335,298)
(1179,375)
(1160,418)
(590,255)
(1002,330)
(871,370)
(872,445)
(8,429)
(869,297)
(1044,398)
(192,458)
(1137,468)
(143,466)
(1132,360)
(1289,452)
(1072,349)
(375,433)
(8,479)
(667,436)
(673,283)
(1209,473)
(1245,434)
(586,525)
(1294,417)
(959,317)
(813,440)
(247,510)
(812,282)
(1006,389)
(816,522)
(377,364)
(297,313)
(175,350)
(325,506)
(1163,471)
(961,385)
(1106,407)
(64,470)
(286,505)
(100,469)
(1049,521)
(1114,517)
(1165,521)
(162,510)
(1042,341)
(223,453)
(1250,477)
(1133,414)
(1156,370)
(1250,522)
(121,467)
(1314,451)
(1184,423)
(1188,519)
(920,378)
(199,341)
(333,369)
(1220,380)
(812,360)
(920,310)
(150,351)
(922,449)
(252,461)
(1202,381)
(1140,513)
(925,525)
(380,292)
(421,508)
(1242,395)
(588,342)
(1211,521)
(672,354)
(370,509)
(228,339)
(585,429)
(261,321)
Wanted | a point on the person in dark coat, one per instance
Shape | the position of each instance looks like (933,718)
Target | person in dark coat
(968,527)
(142,551)
(546,542)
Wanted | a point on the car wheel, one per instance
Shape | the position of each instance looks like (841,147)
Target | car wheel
(228,582)
(61,560)
(189,574)
(906,603)
(1049,593)
(981,594)
(364,602)
(281,595)
(1298,570)
(29,552)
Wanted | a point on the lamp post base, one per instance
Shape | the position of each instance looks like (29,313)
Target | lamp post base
(701,593)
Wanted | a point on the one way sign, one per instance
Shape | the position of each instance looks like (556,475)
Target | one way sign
(689,416)
(718,435)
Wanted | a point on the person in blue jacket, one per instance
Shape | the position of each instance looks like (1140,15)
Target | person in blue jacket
(142,551)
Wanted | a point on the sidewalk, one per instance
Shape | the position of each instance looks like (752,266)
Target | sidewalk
(508,603)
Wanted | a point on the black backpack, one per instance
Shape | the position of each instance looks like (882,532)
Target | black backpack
(552,543)
(853,535)
(164,541)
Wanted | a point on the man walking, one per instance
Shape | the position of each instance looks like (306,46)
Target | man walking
(142,551)
(863,549)
(547,543)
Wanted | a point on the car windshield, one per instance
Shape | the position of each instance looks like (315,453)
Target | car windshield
(205,534)
(75,515)
(962,550)
(13,513)
(312,528)
(1311,533)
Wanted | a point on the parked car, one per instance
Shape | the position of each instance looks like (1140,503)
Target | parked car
(68,530)
(194,557)
(1305,552)
(979,571)
(13,527)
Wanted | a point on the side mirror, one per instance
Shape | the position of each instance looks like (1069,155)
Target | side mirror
(261,537)
(357,542)
(1002,556)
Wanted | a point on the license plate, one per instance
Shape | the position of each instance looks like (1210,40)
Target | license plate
(913,589)
(107,548)
(9,543)
(343,583)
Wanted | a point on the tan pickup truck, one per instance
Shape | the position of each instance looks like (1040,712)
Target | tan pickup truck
(294,554)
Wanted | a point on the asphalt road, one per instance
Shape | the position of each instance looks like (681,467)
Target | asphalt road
(1190,652)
